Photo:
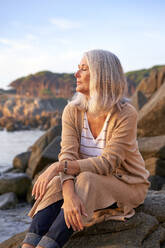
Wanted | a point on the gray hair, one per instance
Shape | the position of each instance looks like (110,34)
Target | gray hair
(108,86)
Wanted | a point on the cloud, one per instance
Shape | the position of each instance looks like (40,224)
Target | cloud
(22,57)
(63,23)
(15,44)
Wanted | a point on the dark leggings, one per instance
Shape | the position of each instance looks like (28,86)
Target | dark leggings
(48,228)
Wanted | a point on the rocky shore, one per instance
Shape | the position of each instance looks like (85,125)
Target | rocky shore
(144,230)
(25,113)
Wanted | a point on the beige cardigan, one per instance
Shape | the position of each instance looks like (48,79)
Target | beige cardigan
(118,175)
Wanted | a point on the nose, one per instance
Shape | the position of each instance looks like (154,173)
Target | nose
(77,74)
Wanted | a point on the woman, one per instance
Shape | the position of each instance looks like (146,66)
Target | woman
(99,164)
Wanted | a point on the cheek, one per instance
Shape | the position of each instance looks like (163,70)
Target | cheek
(87,78)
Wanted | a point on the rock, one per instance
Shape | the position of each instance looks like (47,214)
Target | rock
(21,161)
(155,239)
(115,233)
(155,166)
(8,200)
(154,205)
(152,147)
(14,182)
(14,241)
(157,182)
(151,164)
(52,150)
(138,99)
(146,229)
(10,127)
(148,87)
(151,117)
(37,159)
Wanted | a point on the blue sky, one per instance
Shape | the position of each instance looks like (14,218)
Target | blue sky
(52,35)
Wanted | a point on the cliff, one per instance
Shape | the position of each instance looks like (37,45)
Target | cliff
(45,84)
(134,78)
(21,112)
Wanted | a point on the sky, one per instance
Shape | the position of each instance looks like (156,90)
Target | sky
(37,35)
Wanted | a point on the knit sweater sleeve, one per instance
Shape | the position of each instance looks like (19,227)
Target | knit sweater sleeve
(120,144)
(69,139)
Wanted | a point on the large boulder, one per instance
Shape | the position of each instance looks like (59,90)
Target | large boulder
(8,200)
(148,86)
(153,152)
(146,229)
(151,117)
(44,151)
(15,182)
(152,146)
(21,161)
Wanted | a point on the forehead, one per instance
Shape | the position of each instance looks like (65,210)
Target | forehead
(83,61)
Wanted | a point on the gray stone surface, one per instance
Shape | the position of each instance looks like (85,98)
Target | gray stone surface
(152,146)
(8,200)
(151,117)
(21,161)
(37,160)
(14,182)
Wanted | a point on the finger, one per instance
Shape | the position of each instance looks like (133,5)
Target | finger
(66,220)
(43,188)
(34,189)
(79,221)
(37,190)
(72,221)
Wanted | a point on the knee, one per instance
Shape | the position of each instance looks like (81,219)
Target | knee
(85,177)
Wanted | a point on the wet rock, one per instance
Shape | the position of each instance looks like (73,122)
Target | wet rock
(21,161)
(40,155)
(14,182)
(8,200)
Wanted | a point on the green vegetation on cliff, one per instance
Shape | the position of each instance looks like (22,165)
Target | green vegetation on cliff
(136,76)
(45,84)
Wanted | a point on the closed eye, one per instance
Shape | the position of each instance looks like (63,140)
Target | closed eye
(83,67)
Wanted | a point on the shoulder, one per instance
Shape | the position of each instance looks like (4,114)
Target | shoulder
(70,111)
(126,115)
(127,110)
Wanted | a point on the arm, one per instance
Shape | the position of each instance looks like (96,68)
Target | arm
(69,143)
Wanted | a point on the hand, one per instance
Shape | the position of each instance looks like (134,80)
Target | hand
(40,185)
(73,210)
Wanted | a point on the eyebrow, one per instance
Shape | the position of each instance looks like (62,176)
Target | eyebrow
(83,65)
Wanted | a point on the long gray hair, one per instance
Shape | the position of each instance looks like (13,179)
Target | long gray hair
(108,86)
